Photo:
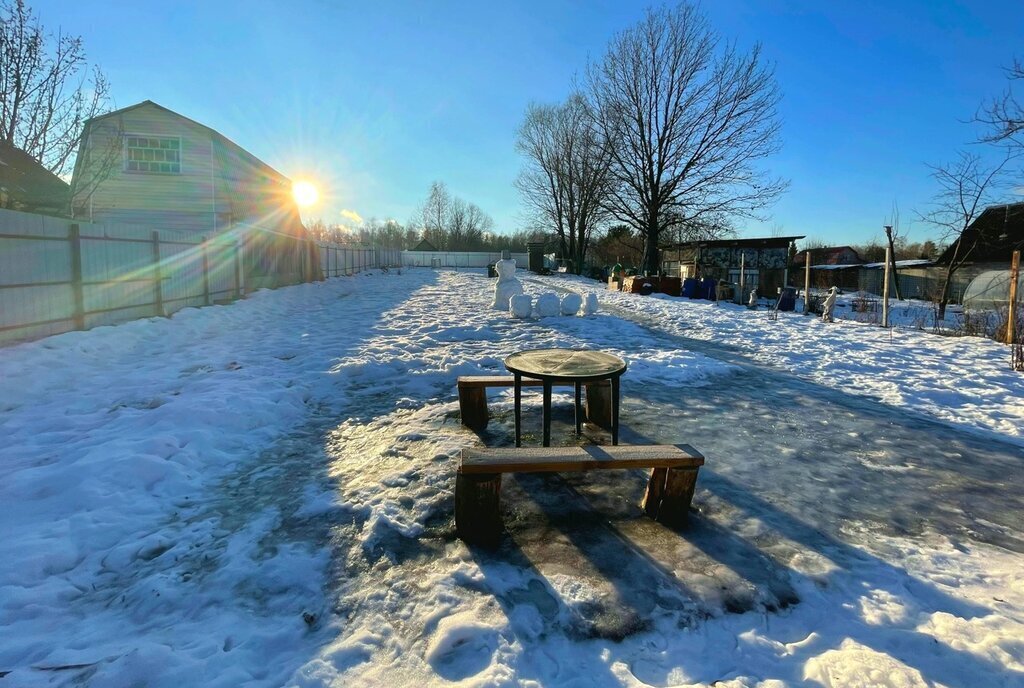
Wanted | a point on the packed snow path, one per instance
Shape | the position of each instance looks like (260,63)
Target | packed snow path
(261,494)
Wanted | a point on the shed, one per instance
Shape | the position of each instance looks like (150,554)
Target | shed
(765,261)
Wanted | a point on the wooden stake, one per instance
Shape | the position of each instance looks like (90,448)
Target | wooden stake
(743,277)
(78,298)
(807,282)
(158,284)
(885,288)
(1011,321)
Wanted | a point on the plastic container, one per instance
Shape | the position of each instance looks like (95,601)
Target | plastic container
(707,288)
(691,287)
(787,300)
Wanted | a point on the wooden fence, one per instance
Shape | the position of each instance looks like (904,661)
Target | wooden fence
(57,275)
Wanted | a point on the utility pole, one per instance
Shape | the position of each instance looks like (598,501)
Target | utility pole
(891,260)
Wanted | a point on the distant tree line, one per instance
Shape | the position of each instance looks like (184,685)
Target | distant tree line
(446,221)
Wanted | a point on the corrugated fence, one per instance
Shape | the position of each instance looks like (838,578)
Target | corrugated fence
(57,275)
(457,259)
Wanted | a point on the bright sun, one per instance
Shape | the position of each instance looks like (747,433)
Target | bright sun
(305,193)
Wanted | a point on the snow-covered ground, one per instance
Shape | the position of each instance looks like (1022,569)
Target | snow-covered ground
(260,494)
(962,380)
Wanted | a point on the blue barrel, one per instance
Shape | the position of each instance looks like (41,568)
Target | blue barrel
(691,285)
(707,288)
(787,300)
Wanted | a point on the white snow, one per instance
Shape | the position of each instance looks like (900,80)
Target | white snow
(961,380)
(260,494)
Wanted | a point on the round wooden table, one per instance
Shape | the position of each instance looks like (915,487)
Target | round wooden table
(576,366)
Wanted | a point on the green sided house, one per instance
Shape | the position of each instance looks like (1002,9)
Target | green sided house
(148,165)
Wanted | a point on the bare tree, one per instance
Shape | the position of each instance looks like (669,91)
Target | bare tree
(478,225)
(435,214)
(567,177)
(1004,114)
(47,89)
(892,236)
(690,119)
(966,187)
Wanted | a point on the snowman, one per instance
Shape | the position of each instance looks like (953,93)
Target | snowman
(507,286)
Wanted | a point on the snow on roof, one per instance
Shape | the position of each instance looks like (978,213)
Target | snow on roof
(828,266)
(917,262)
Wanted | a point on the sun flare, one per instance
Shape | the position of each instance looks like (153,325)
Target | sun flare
(305,193)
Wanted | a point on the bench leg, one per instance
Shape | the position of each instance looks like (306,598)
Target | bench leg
(599,405)
(473,406)
(655,491)
(669,495)
(477,508)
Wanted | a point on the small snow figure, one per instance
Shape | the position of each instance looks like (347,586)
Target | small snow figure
(521,306)
(590,304)
(829,305)
(507,286)
(548,305)
(752,303)
(571,304)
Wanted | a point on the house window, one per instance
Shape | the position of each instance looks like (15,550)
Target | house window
(152,154)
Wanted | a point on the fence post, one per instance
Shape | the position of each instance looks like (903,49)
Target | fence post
(1011,318)
(743,276)
(807,282)
(77,297)
(206,274)
(238,270)
(885,287)
(158,285)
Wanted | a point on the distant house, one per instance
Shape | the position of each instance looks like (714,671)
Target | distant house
(146,164)
(989,242)
(424,245)
(765,261)
(831,266)
(829,255)
(28,186)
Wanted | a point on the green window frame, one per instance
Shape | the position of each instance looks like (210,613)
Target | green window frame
(148,154)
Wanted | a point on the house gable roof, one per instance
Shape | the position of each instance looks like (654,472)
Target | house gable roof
(999,231)
(27,183)
(830,255)
(755,242)
(213,132)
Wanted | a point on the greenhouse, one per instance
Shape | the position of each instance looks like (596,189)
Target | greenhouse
(991,290)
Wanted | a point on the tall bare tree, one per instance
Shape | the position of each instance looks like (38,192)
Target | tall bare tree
(691,118)
(436,214)
(966,187)
(47,88)
(566,180)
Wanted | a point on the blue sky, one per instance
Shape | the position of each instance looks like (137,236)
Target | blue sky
(375,100)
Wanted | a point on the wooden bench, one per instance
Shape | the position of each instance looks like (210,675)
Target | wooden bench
(478,482)
(473,399)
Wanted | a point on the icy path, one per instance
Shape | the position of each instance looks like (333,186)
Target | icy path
(301,524)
